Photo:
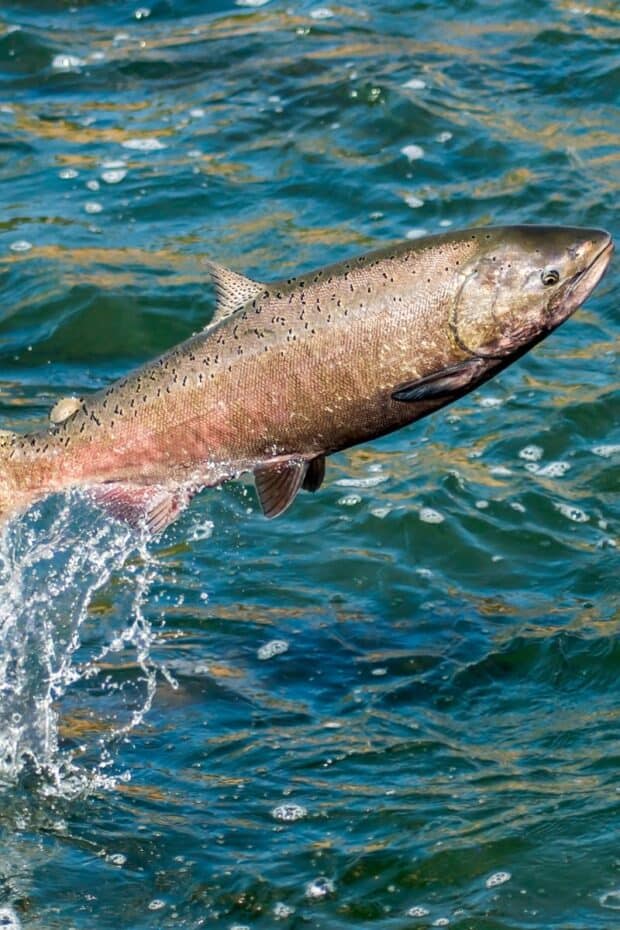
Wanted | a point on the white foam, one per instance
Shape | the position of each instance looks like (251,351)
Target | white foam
(275,647)
(114,175)
(9,919)
(370,482)
(321,12)
(414,202)
(571,512)
(415,84)
(66,62)
(607,451)
(611,899)
(531,453)
(428,515)
(142,12)
(281,911)
(93,206)
(320,888)
(418,911)
(413,152)
(67,174)
(145,144)
(444,137)
(251,2)
(21,245)
(289,813)
(497,878)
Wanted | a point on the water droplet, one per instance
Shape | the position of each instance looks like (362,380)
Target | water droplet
(413,152)
(9,919)
(22,245)
(147,144)
(320,888)
(289,812)
(273,648)
(428,515)
(498,878)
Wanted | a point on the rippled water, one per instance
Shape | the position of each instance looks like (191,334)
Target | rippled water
(396,706)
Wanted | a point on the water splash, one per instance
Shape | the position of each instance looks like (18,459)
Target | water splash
(54,564)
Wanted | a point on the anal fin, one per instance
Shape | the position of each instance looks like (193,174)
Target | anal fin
(152,507)
(440,383)
(277,485)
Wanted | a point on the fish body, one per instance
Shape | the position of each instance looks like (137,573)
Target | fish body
(293,371)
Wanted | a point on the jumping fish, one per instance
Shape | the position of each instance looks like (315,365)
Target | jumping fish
(290,372)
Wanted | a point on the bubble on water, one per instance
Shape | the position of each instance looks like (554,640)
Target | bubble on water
(531,453)
(142,12)
(607,451)
(414,202)
(571,512)
(22,245)
(288,813)
(416,233)
(444,136)
(611,899)
(146,144)
(321,887)
(9,919)
(370,482)
(428,515)
(412,152)
(349,500)
(276,647)
(114,175)
(497,878)
(156,904)
(281,911)
(93,206)
(93,185)
(321,12)
(418,911)
(67,62)
(415,84)
(482,504)
(67,174)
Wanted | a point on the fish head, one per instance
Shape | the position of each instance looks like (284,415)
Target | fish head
(523,281)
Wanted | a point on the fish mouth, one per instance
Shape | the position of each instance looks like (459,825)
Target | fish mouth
(579,287)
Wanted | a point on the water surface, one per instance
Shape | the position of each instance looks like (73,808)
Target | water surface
(396,706)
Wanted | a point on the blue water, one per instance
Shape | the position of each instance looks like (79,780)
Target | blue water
(397,705)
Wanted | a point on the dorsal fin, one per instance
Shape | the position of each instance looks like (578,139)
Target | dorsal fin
(277,485)
(233,290)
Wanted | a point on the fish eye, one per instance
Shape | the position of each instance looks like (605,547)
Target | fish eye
(550,276)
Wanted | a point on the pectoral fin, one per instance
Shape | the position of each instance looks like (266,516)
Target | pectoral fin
(315,474)
(440,383)
(152,507)
(277,485)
